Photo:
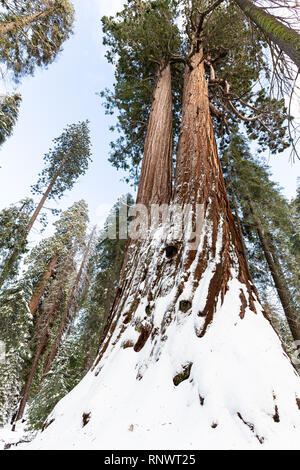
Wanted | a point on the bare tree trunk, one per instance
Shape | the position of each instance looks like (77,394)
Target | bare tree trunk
(42,286)
(155,184)
(287,39)
(278,277)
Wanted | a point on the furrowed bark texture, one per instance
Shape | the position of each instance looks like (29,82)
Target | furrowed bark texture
(39,352)
(155,184)
(287,39)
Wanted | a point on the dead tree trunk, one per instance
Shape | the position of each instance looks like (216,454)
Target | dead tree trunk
(278,276)
(34,303)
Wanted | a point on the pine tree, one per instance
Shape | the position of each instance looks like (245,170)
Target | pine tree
(66,243)
(80,343)
(9,110)
(13,223)
(32,33)
(66,371)
(15,331)
(265,219)
(65,163)
(104,272)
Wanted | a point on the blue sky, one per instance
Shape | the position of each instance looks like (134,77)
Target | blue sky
(66,93)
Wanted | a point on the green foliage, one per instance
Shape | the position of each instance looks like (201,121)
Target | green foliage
(69,237)
(67,371)
(13,224)
(104,270)
(9,110)
(146,33)
(80,342)
(15,331)
(32,33)
(139,40)
(246,178)
(74,146)
(238,55)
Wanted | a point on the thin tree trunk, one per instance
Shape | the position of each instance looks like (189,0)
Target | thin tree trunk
(70,303)
(42,285)
(46,194)
(278,276)
(287,39)
(155,186)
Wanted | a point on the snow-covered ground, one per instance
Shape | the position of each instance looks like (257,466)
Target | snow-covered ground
(12,438)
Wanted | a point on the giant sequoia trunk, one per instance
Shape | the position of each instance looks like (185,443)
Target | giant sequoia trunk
(189,359)
(155,184)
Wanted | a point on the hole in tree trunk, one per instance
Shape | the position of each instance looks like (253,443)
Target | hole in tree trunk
(171,251)
(148,309)
(185,305)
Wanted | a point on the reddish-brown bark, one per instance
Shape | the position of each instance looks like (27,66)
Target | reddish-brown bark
(48,315)
(155,184)
(199,180)
(42,286)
